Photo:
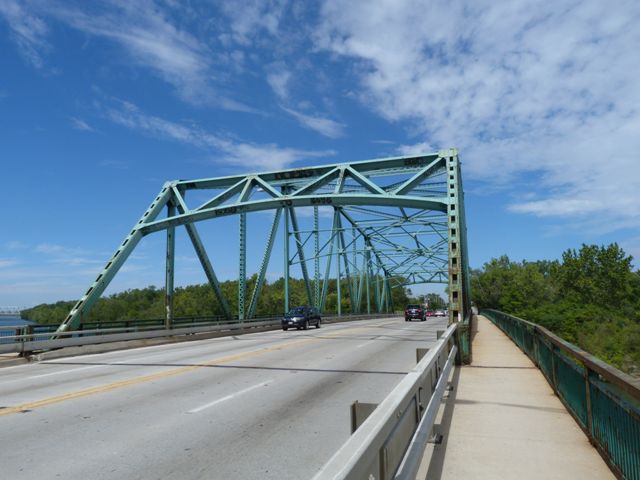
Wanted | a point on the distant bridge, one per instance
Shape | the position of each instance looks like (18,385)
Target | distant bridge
(11,311)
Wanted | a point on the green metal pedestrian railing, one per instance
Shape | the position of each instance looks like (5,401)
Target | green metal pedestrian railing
(603,400)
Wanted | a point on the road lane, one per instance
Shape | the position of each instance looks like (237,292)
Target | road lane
(279,404)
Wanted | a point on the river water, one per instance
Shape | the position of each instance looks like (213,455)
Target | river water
(13,321)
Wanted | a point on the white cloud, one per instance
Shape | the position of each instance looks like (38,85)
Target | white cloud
(416,149)
(15,245)
(519,87)
(150,40)
(67,255)
(29,31)
(324,126)
(7,262)
(144,32)
(279,82)
(80,124)
(238,154)
(253,18)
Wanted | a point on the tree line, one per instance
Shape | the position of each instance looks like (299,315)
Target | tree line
(591,298)
(200,301)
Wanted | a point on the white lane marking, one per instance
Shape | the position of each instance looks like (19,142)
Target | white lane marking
(362,345)
(64,371)
(228,397)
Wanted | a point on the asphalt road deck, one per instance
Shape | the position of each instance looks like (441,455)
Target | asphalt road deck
(257,406)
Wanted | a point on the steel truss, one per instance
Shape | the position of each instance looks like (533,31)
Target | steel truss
(375,225)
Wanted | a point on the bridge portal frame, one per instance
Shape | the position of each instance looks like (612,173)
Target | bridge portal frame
(373,254)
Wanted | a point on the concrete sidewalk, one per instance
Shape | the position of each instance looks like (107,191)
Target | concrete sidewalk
(503,420)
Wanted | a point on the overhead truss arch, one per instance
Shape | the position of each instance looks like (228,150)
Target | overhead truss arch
(375,225)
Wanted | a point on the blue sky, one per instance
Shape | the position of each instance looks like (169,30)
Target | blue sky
(101,102)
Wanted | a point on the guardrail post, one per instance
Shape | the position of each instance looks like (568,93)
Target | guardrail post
(554,367)
(420,352)
(360,412)
(587,386)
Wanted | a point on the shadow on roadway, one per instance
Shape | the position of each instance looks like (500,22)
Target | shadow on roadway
(247,367)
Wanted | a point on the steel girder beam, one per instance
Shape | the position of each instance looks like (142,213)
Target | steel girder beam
(265,263)
(400,212)
(82,306)
(170,267)
(300,247)
(202,255)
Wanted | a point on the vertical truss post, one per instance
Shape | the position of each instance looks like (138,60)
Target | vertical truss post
(376,286)
(339,304)
(242,280)
(342,251)
(361,279)
(327,271)
(303,261)
(169,269)
(368,276)
(265,263)
(388,293)
(286,259)
(316,280)
(459,305)
(354,287)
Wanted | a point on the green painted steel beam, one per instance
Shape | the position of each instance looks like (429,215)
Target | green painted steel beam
(82,307)
(202,255)
(380,167)
(343,252)
(290,201)
(316,257)
(242,277)
(264,265)
(303,263)
(169,269)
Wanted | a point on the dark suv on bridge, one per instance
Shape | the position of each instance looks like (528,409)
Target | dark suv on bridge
(301,317)
(414,311)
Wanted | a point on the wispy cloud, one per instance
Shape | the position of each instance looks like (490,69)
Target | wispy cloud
(253,18)
(238,154)
(115,164)
(28,30)
(521,87)
(416,149)
(8,262)
(279,83)
(15,245)
(280,78)
(145,33)
(80,124)
(67,255)
(324,126)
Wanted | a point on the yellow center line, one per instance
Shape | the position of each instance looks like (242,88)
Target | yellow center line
(168,373)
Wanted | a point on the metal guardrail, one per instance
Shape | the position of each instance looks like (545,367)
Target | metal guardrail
(391,441)
(604,401)
(28,338)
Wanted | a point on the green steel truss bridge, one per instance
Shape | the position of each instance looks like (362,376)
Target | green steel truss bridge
(376,225)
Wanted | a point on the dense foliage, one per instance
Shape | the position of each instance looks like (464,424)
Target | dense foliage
(200,301)
(590,298)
